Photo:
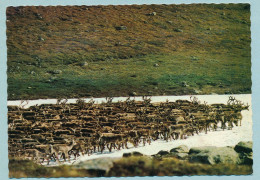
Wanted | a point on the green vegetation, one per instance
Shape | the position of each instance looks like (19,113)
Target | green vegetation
(80,51)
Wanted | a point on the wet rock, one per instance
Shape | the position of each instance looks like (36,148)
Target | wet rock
(214,155)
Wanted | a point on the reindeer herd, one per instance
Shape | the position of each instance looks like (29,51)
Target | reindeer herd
(61,131)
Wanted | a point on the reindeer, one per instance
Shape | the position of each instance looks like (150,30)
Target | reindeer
(63,149)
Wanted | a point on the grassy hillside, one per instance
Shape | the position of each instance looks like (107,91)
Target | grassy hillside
(81,51)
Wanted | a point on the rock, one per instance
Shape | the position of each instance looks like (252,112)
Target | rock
(184,84)
(181,155)
(103,164)
(162,153)
(126,154)
(154,83)
(41,38)
(194,58)
(211,83)
(180,149)
(55,71)
(156,65)
(135,153)
(246,158)
(197,91)
(244,147)
(178,30)
(152,14)
(132,93)
(180,152)
(214,155)
(84,64)
(170,22)
(121,27)
(134,75)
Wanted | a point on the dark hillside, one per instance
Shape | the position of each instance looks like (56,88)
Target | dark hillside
(80,51)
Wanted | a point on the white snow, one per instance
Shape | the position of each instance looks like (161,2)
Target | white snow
(218,138)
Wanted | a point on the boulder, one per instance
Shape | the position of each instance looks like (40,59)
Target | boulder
(246,158)
(214,155)
(180,152)
(126,154)
(135,153)
(244,147)
(180,155)
(162,153)
(245,150)
(103,164)
(180,149)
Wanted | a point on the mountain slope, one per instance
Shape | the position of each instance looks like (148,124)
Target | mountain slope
(79,51)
